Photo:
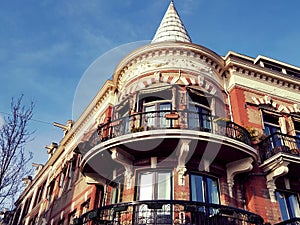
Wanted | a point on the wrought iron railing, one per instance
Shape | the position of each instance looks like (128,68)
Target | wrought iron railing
(279,142)
(168,212)
(293,221)
(168,119)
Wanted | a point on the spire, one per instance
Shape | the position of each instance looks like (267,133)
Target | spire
(171,28)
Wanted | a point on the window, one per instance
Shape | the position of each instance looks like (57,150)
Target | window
(50,194)
(117,190)
(297,132)
(71,217)
(199,111)
(85,207)
(39,194)
(271,124)
(204,189)
(99,196)
(154,185)
(289,205)
(199,118)
(155,113)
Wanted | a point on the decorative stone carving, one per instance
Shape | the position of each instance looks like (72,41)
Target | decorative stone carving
(167,62)
(182,152)
(280,170)
(127,162)
(236,167)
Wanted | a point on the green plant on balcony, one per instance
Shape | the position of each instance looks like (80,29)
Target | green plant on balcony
(256,135)
(137,129)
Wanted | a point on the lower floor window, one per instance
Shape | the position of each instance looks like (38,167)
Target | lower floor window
(154,185)
(204,189)
(289,205)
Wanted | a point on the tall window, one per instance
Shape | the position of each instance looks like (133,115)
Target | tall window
(199,118)
(199,111)
(117,191)
(154,185)
(297,131)
(204,189)
(271,126)
(289,205)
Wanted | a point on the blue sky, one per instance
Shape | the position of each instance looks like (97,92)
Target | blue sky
(46,46)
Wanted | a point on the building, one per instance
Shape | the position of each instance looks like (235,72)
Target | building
(179,135)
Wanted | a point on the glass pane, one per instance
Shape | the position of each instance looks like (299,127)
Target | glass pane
(294,206)
(164,186)
(150,117)
(282,206)
(194,117)
(197,188)
(205,120)
(164,123)
(146,183)
(213,193)
(298,139)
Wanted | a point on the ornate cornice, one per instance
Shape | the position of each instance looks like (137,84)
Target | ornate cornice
(257,72)
(156,56)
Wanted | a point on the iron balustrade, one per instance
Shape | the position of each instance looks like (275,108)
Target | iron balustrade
(163,212)
(279,142)
(168,119)
(293,221)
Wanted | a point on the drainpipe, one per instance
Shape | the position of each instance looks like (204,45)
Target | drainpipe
(228,97)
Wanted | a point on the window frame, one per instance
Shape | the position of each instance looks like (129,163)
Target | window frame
(154,187)
(205,177)
(288,208)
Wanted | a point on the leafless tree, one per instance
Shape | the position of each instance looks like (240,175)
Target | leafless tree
(14,134)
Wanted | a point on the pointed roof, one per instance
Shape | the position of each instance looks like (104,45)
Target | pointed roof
(171,28)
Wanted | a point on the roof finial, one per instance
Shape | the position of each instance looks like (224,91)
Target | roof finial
(171,27)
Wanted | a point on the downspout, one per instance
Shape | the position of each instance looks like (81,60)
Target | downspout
(228,97)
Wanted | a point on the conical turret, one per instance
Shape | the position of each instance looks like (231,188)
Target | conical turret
(171,28)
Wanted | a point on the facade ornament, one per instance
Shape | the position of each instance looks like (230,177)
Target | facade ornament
(280,170)
(182,152)
(127,162)
(236,167)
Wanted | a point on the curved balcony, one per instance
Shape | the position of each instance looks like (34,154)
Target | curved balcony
(168,119)
(168,212)
(162,134)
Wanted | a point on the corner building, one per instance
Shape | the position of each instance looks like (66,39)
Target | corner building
(180,135)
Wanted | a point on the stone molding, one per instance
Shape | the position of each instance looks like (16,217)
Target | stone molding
(236,167)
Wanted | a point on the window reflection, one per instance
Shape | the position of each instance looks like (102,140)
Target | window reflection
(289,205)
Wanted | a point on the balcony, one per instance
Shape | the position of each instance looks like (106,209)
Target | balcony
(162,134)
(279,143)
(293,221)
(167,119)
(168,212)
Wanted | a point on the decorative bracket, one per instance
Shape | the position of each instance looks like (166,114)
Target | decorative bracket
(182,152)
(279,171)
(127,162)
(236,167)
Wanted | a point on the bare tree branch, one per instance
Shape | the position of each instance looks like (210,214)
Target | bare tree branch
(14,135)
